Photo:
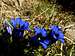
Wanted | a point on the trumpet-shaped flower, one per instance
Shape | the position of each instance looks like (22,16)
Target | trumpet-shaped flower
(19,27)
(56,33)
(18,21)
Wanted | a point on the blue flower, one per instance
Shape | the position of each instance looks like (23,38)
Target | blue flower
(23,24)
(56,33)
(18,32)
(43,32)
(18,21)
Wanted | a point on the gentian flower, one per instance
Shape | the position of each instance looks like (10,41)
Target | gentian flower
(43,33)
(19,27)
(18,21)
(56,33)
(24,25)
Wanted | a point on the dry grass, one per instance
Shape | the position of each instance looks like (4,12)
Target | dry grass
(40,12)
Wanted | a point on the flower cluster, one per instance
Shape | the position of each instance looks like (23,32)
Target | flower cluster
(54,35)
(41,37)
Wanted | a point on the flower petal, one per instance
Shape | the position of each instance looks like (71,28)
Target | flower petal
(61,36)
(9,30)
(43,32)
(57,33)
(44,45)
(13,22)
(46,42)
(37,30)
(54,28)
(18,19)
(26,25)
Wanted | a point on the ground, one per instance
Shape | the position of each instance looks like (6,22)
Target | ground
(42,12)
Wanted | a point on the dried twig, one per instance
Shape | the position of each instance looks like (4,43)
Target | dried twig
(69,26)
(68,39)
(71,50)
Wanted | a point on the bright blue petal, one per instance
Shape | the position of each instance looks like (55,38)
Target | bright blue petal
(54,28)
(46,42)
(13,22)
(18,20)
(62,40)
(44,45)
(61,36)
(37,30)
(43,32)
(34,38)
(52,34)
(21,23)
(26,25)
